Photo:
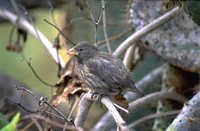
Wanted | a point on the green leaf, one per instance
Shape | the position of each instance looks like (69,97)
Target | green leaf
(3,120)
(12,125)
(170,128)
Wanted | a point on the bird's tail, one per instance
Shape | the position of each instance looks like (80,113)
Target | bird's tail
(134,89)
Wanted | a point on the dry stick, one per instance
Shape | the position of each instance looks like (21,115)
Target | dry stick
(147,29)
(94,21)
(84,107)
(55,123)
(37,124)
(27,126)
(42,101)
(24,24)
(151,116)
(74,106)
(104,26)
(106,119)
(154,97)
(118,119)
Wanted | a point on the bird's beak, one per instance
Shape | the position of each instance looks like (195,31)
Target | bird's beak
(72,52)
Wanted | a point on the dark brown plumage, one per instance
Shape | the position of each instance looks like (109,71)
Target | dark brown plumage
(103,73)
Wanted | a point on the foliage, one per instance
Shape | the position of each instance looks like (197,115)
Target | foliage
(12,125)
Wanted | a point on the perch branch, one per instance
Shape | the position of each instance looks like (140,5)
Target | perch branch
(146,29)
(84,107)
(24,24)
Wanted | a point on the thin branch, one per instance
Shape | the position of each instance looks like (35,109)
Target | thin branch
(84,107)
(41,101)
(118,119)
(75,104)
(154,97)
(147,29)
(24,24)
(103,3)
(37,124)
(151,116)
(35,73)
(52,12)
(96,23)
(55,123)
(27,126)
(59,31)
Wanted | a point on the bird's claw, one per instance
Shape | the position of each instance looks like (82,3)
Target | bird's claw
(100,96)
(99,99)
(94,95)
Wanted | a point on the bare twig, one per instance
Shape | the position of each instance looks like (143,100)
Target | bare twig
(74,107)
(118,119)
(24,24)
(83,109)
(59,31)
(154,97)
(55,123)
(42,101)
(52,12)
(37,124)
(27,126)
(103,3)
(28,62)
(147,29)
(96,23)
(151,116)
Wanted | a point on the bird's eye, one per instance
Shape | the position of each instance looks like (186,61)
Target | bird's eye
(81,49)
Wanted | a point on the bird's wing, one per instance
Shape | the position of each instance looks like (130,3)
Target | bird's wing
(110,70)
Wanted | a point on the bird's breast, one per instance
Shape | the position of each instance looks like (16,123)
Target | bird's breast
(90,80)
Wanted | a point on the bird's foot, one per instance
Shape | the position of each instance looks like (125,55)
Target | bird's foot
(99,99)
(94,95)
(100,96)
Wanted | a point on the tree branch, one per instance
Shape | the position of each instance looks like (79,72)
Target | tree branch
(154,97)
(84,107)
(151,116)
(188,119)
(103,3)
(24,24)
(146,29)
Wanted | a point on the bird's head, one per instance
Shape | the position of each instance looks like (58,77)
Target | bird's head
(83,51)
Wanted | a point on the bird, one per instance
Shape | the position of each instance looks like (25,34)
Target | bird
(103,73)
